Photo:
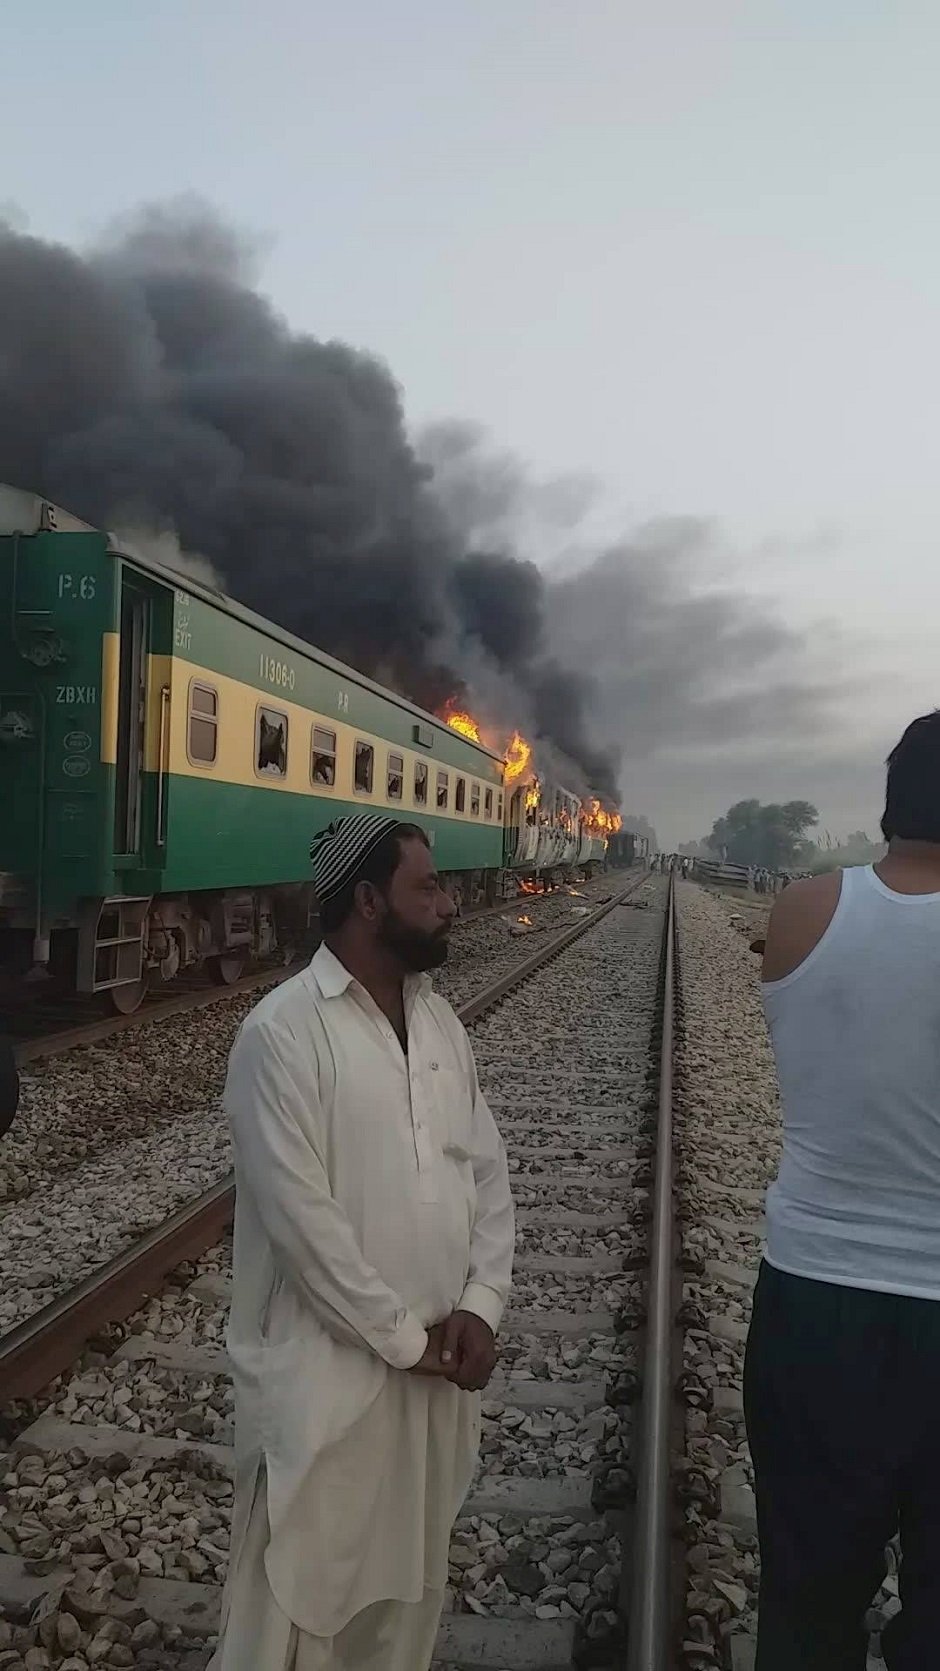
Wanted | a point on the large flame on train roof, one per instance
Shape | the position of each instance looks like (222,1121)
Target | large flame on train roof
(459,720)
(517,752)
(518,755)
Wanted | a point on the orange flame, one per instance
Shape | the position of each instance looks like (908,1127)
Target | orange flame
(526,920)
(518,755)
(459,720)
(599,821)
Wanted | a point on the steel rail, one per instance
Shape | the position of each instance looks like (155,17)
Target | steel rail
(498,989)
(649,1622)
(104,1027)
(48,1342)
(43,1045)
(42,1346)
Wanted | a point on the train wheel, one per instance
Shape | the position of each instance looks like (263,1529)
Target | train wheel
(128,997)
(226,969)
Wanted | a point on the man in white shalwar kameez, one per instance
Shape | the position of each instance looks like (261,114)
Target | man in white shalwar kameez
(373,1256)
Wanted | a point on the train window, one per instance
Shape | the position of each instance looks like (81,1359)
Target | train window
(396,777)
(499,806)
(488,803)
(460,796)
(203,740)
(365,760)
(322,757)
(421,783)
(475,800)
(443,790)
(270,743)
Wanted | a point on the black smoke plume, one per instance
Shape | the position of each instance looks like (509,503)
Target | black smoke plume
(149,385)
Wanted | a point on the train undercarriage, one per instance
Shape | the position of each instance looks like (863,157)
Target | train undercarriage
(130,945)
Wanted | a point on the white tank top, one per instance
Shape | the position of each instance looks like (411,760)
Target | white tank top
(856,1035)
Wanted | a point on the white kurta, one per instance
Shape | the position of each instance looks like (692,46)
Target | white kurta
(372,1200)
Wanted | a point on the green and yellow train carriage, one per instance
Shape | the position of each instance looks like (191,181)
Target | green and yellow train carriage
(168,756)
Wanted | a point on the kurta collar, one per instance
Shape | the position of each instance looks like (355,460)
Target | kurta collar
(333,978)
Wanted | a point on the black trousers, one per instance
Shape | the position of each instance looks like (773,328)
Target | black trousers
(842,1398)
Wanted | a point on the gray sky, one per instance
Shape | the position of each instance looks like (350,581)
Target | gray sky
(691,249)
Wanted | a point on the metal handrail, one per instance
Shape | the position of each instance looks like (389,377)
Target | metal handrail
(162,765)
(650,1620)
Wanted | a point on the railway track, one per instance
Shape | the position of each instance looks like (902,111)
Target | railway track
(542,1563)
(116,1136)
(42,1028)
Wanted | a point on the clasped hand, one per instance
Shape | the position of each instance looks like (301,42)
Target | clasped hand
(462,1349)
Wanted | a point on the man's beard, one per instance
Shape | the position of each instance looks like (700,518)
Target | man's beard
(419,949)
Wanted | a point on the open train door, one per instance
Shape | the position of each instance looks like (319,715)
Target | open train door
(524,836)
(141,765)
(133,660)
(111,938)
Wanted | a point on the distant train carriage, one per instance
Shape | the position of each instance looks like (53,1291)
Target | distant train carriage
(624,848)
(168,756)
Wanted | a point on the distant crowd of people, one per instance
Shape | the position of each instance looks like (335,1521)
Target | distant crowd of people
(663,863)
(774,881)
(767,881)
(760,880)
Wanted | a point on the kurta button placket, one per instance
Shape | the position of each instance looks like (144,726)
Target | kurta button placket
(424,1147)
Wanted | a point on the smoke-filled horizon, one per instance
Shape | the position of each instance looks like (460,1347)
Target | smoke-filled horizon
(148,385)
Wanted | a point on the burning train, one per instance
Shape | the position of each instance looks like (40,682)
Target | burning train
(548,829)
(169,754)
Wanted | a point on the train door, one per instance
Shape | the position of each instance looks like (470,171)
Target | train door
(132,722)
(514,826)
(547,835)
(527,819)
(112,929)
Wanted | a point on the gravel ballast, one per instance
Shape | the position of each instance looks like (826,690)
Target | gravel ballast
(728,1140)
(534,1546)
(728,1133)
(113,1137)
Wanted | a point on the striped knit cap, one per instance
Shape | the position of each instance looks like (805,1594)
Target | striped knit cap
(339,852)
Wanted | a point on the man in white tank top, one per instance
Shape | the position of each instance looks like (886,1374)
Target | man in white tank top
(842,1379)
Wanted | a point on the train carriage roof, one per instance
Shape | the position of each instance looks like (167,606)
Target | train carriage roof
(27,513)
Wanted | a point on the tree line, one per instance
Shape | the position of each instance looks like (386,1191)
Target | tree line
(777,836)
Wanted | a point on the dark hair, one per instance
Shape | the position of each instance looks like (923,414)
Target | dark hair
(912,800)
(378,868)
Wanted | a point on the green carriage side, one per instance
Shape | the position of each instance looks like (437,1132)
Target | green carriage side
(170,755)
(57,638)
(269,739)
